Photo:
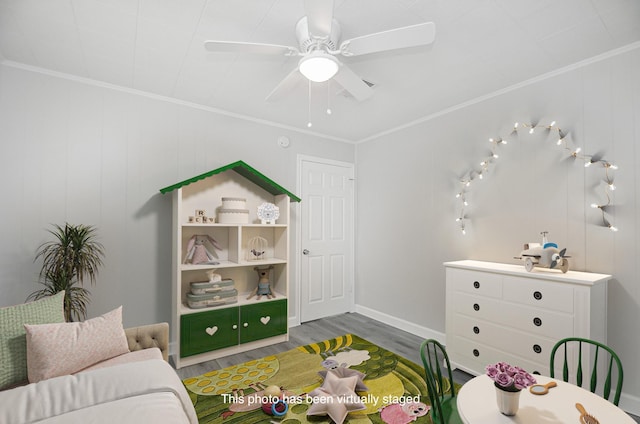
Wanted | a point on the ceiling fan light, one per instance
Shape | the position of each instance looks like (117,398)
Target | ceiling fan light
(318,67)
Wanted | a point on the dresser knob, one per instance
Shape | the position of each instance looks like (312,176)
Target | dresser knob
(476,352)
(537,348)
(476,284)
(537,322)
(476,330)
(537,295)
(476,307)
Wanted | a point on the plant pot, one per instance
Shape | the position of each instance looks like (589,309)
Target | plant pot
(508,401)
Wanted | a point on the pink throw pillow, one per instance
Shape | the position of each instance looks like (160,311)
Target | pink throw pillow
(61,349)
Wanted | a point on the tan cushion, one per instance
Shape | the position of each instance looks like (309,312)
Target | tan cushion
(59,349)
(147,336)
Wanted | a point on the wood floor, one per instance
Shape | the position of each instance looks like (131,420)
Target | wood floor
(398,341)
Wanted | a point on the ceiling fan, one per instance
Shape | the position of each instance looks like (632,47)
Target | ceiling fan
(319,43)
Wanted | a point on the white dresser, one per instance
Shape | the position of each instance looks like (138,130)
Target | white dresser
(500,312)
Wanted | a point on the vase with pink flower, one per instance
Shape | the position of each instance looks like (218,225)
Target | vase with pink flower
(509,381)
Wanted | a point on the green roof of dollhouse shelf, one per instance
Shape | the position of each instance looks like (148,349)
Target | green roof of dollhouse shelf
(246,171)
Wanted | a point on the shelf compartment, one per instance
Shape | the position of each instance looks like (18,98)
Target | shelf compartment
(245,279)
(242,301)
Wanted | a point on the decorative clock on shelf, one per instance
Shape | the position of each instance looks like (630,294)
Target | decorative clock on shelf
(268,213)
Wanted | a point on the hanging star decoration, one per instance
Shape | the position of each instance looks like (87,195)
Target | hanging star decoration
(336,398)
(564,142)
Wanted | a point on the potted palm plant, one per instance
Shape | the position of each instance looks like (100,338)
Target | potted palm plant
(73,257)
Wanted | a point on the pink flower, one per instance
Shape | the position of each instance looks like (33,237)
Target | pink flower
(520,381)
(492,371)
(503,379)
(509,377)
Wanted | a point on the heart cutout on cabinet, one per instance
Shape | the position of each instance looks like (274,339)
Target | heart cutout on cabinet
(265,320)
(211,330)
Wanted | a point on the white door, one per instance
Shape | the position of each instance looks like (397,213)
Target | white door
(326,238)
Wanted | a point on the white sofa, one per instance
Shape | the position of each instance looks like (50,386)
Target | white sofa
(136,387)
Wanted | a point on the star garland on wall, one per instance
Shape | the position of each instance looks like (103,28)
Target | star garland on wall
(590,161)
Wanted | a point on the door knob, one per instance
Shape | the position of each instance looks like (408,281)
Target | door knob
(305,252)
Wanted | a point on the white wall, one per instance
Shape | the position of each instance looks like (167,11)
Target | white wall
(75,152)
(87,154)
(410,178)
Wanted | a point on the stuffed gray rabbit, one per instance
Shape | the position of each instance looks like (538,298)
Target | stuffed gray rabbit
(197,252)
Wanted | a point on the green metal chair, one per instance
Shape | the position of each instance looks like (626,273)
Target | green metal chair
(442,393)
(608,361)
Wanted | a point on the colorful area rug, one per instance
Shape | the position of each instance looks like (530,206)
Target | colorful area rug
(397,392)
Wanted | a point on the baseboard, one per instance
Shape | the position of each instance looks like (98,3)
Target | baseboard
(630,404)
(294,322)
(409,327)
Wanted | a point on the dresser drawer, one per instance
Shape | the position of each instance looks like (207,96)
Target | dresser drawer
(526,345)
(475,356)
(475,282)
(478,307)
(548,324)
(547,295)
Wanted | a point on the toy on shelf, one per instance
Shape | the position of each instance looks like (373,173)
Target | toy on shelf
(256,248)
(264,284)
(213,276)
(268,213)
(545,255)
(197,252)
(201,217)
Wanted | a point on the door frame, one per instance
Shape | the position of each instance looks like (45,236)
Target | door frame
(296,320)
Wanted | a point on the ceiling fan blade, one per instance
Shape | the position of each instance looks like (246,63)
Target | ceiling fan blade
(410,36)
(243,47)
(353,83)
(285,86)
(319,16)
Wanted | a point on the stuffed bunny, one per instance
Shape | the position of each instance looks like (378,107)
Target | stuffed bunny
(197,252)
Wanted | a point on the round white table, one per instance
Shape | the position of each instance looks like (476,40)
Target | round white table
(477,405)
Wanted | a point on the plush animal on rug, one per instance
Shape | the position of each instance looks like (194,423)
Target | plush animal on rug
(197,252)
(398,413)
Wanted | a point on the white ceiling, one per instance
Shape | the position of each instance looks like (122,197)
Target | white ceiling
(156,46)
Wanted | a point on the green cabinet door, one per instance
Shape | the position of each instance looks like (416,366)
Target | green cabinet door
(210,330)
(262,320)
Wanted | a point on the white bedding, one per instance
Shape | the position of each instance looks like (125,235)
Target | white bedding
(137,392)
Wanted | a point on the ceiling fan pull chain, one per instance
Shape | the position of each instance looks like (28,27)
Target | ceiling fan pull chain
(329,111)
(309,124)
